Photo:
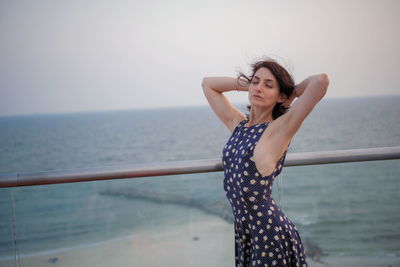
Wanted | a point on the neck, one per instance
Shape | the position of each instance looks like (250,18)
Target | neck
(259,115)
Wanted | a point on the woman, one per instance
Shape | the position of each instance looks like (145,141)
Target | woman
(254,156)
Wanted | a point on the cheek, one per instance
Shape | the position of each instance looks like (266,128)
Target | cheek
(251,87)
(272,93)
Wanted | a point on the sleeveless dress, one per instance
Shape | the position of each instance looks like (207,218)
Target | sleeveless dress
(264,236)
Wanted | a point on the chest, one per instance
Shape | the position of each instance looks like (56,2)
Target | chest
(240,146)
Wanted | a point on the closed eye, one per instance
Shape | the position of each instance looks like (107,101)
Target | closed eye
(268,85)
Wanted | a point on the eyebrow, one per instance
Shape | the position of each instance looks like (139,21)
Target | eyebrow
(268,80)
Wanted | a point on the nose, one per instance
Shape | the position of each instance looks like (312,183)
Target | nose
(258,87)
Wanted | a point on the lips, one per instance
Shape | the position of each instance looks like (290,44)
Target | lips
(257,96)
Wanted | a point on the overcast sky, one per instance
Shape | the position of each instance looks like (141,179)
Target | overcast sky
(78,55)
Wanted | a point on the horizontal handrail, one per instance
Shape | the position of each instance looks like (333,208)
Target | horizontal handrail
(187,167)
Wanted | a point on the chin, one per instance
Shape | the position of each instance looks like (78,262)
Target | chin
(257,102)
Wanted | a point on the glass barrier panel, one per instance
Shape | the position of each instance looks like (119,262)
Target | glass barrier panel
(156,221)
(346,214)
(8,251)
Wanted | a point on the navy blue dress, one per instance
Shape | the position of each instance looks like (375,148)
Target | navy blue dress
(264,236)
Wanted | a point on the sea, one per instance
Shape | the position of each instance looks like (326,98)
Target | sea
(340,210)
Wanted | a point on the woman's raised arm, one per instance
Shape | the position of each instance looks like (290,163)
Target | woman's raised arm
(310,92)
(213,88)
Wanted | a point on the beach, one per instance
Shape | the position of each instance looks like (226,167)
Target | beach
(206,240)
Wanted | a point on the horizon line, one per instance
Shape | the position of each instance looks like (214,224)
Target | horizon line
(164,107)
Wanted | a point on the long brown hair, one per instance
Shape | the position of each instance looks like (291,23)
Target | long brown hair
(282,76)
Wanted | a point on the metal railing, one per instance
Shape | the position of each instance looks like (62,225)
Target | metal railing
(187,167)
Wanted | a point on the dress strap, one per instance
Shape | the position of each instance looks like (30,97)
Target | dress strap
(243,122)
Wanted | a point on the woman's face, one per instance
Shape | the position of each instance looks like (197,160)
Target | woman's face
(264,89)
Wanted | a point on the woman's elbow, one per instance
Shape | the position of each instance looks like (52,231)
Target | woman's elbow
(204,82)
(323,79)
(323,82)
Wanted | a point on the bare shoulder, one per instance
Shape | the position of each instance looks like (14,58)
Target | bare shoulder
(239,117)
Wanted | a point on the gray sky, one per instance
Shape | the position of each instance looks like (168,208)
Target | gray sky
(78,55)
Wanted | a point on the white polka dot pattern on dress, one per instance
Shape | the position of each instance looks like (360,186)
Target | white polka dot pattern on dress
(264,236)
